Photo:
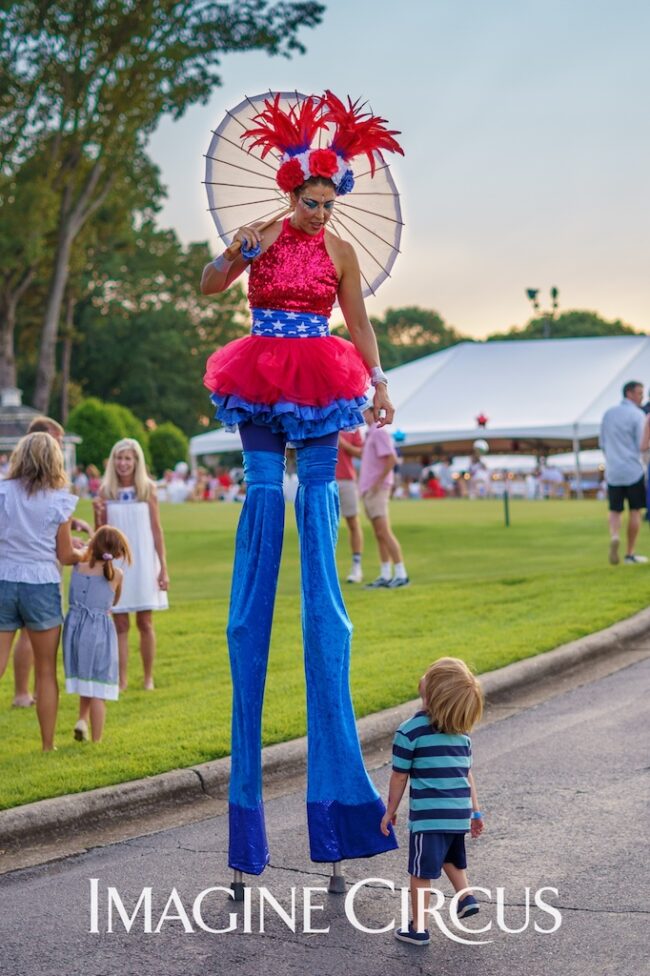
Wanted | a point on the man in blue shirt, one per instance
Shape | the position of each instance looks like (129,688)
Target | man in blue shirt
(624,434)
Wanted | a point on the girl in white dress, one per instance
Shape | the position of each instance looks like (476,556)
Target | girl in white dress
(128,500)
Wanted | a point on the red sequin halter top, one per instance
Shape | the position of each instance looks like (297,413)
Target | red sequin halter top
(295,274)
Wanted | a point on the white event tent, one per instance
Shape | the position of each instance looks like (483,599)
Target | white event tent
(539,395)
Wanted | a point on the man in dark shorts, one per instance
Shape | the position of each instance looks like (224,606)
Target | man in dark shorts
(624,434)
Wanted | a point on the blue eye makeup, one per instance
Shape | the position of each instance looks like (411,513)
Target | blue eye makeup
(314,205)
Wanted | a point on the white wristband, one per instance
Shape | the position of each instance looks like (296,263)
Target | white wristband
(377,375)
(222,263)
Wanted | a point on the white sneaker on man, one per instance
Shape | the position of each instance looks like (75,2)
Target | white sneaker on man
(355,575)
(633,559)
(613,551)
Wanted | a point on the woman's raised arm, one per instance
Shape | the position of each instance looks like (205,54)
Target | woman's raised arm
(358,324)
(219,274)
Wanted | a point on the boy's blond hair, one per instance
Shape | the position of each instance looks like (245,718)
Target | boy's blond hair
(37,462)
(452,695)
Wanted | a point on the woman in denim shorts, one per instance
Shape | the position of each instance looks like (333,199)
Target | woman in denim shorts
(35,536)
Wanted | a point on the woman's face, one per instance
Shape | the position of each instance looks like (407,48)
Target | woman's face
(313,208)
(125,465)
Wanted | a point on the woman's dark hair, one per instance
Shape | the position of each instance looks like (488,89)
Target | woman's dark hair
(314,181)
(629,386)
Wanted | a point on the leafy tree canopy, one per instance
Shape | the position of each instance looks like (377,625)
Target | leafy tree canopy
(168,445)
(106,70)
(144,332)
(573,324)
(408,333)
(100,425)
(92,80)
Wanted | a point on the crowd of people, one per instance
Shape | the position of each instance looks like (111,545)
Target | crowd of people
(119,568)
(413,480)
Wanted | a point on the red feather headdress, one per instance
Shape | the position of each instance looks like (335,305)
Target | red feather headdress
(357,131)
(292,132)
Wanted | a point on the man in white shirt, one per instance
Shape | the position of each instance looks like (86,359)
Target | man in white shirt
(624,435)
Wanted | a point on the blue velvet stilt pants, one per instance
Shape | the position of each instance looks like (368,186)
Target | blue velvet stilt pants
(343,808)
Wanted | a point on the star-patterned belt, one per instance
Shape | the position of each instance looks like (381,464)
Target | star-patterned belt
(279,324)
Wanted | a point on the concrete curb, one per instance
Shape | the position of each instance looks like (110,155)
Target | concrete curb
(33,821)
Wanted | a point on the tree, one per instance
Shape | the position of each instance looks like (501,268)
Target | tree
(99,75)
(408,333)
(573,324)
(28,205)
(100,425)
(130,427)
(100,257)
(168,445)
(98,429)
(146,301)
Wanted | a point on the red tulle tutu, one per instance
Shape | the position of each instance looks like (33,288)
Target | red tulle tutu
(312,371)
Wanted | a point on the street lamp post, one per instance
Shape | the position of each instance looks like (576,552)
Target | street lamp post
(548,317)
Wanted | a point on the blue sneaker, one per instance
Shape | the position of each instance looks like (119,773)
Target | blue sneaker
(410,935)
(467,906)
(379,584)
(398,581)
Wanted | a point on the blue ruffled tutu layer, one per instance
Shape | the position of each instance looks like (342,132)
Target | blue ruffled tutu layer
(297,422)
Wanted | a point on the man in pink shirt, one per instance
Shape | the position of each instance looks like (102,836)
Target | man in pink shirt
(350,445)
(375,481)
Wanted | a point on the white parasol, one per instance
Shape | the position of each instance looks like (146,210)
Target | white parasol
(242,189)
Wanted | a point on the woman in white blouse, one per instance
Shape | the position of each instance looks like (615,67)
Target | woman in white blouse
(35,536)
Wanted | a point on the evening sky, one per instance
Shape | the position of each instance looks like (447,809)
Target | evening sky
(525,127)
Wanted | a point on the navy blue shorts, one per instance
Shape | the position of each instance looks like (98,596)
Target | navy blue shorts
(36,606)
(635,494)
(428,851)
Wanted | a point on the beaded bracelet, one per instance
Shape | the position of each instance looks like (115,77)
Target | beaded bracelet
(377,376)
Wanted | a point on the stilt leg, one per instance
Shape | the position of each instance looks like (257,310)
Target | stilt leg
(344,810)
(257,559)
(336,884)
(237,886)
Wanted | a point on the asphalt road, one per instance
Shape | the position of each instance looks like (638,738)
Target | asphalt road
(564,788)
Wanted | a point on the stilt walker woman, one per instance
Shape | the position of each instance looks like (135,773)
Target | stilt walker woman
(291,381)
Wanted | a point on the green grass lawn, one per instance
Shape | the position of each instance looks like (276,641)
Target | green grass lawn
(485,593)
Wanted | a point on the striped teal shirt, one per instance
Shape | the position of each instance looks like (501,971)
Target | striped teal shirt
(438,765)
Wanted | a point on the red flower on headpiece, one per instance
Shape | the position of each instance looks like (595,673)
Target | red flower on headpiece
(290,176)
(323,162)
